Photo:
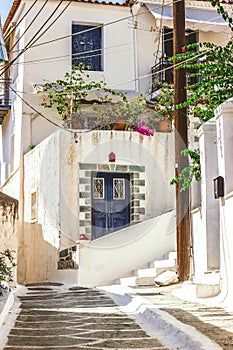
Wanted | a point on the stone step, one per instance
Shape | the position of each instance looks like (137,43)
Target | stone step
(199,290)
(172,256)
(146,276)
(162,263)
(153,272)
(64,276)
(137,281)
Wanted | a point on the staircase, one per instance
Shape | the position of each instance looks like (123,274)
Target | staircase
(146,276)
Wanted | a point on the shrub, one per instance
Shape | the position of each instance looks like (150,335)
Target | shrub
(7,264)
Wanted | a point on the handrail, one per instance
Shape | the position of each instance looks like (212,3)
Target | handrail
(161,73)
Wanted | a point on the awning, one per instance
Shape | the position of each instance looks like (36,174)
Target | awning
(3,53)
(195,19)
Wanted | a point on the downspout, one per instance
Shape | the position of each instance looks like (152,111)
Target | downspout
(134,9)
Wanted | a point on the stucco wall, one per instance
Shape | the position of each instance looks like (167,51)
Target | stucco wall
(41,230)
(52,169)
(9,225)
(224,122)
(213,222)
(108,258)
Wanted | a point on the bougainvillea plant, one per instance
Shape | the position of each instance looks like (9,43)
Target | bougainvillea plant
(85,104)
(7,264)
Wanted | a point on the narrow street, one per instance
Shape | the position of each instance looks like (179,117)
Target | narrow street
(56,316)
(77,318)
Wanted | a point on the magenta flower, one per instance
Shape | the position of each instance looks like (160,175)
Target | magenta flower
(143,129)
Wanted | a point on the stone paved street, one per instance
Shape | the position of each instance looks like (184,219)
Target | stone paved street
(52,317)
(209,319)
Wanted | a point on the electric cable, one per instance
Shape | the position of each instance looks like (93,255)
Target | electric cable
(93,28)
(90,51)
(28,27)
(35,38)
(9,34)
(31,41)
(75,132)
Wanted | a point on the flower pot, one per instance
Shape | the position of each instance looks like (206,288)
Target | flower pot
(163,126)
(119,125)
(77,125)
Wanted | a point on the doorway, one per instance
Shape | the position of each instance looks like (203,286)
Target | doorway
(110,202)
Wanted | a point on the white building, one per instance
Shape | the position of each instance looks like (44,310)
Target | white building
(62,185)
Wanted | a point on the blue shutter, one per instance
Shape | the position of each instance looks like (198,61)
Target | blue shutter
(3,53)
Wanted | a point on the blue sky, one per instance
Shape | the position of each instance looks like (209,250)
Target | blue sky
(5,6)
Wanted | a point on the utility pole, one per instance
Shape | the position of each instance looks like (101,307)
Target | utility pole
(181,142)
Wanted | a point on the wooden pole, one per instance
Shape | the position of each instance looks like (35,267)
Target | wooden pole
(181,142)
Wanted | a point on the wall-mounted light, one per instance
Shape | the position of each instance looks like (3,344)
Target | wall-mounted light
(218,187)
(112,157)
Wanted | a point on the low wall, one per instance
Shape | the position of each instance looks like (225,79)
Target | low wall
(116,255)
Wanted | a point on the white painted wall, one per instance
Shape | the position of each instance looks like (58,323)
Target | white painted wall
(224,117)
(52,169)
(216,213)
(155,153)
(128,55)
(205,220)
(108,258)
(41,236)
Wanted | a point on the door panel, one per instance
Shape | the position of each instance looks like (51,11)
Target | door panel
(110,202)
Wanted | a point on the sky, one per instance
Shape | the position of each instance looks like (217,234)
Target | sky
(5,6)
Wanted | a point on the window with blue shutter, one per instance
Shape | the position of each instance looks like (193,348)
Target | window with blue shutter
(86,47)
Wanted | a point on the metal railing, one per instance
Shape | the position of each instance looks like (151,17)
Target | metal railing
(162,72)
(4,92)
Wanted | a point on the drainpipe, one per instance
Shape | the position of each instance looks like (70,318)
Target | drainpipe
(134,9)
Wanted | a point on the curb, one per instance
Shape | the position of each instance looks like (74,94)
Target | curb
(166,328)
(5,305)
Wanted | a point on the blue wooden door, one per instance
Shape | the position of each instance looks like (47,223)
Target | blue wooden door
(110,202)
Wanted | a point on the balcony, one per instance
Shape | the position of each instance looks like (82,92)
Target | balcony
(162,72)
(5,103)
(5,106)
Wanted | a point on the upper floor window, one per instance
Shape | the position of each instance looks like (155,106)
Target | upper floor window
(87,46)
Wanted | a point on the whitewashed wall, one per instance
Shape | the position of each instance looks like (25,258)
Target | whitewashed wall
(128,55)
(224,117)
(52,169)
(205,219)
(213,222)
(108,258)
(41,234)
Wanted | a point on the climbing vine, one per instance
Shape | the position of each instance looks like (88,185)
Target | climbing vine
(209,84)
(192,171)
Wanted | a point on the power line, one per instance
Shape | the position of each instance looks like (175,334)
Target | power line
(60,58)
(33,42)
(93,28)
(72,55)
(90,51)
(35,38)
(9,34)
(53,20)
(85,131)
(30,24)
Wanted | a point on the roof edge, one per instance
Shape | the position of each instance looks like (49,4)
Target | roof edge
(16,4)
(11,14)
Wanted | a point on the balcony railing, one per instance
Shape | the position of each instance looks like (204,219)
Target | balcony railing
(5,103)
(162,73)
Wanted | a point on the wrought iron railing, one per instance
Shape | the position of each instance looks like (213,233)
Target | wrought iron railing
(162,72)
(4,101)
(4,92)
